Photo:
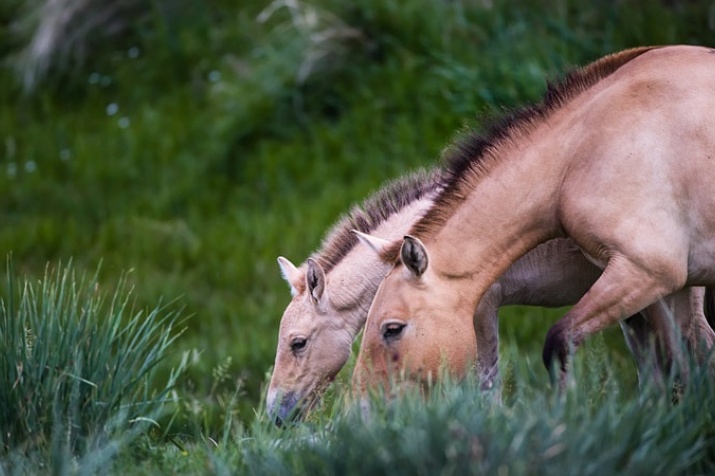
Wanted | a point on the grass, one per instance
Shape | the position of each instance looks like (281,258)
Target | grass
(78,369)
(596,427)
(199,144)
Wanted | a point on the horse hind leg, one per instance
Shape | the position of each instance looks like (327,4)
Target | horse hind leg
(622,290)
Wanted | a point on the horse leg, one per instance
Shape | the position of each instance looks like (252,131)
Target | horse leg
(623,289)
(668,333)
(486,328)
(710,306)
(662,332)
(700,336)
(641,341)
(683,333)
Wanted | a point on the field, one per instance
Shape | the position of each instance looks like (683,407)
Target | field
(179,148)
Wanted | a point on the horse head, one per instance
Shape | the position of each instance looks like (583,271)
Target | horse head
(313,344)
(408,339)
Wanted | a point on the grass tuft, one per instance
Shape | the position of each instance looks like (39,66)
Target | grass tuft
(78,368)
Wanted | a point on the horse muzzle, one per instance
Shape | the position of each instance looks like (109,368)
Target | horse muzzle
(286,410)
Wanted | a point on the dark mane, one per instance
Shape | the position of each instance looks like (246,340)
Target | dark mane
(375,210)
(473,155)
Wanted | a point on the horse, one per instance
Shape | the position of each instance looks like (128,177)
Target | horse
(334,288)
(619,156)
(331,292)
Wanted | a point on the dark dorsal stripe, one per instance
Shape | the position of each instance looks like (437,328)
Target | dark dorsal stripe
(375,210)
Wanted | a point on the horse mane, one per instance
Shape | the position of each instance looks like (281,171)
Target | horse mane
(473,155)
(374,210)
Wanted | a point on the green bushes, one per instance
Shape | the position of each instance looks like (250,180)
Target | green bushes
(78,367)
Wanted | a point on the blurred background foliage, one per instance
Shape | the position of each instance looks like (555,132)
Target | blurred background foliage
(194,142)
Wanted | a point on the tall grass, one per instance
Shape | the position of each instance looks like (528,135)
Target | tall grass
(78,367)
(201,143)
(596,427)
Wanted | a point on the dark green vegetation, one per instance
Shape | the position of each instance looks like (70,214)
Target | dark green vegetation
(193,144)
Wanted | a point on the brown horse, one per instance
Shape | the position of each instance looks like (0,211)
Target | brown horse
(620,157)
(333,290)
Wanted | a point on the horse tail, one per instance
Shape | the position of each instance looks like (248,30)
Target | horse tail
(710,306)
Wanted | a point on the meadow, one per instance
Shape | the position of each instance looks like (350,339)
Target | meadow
(166,153)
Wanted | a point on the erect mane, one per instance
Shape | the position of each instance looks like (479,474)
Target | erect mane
(375,210)
(472,156)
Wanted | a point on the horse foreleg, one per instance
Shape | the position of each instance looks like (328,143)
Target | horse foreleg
(700,336)
(681,334)
(681,326)
(486,328)
(623,289)
(657,337)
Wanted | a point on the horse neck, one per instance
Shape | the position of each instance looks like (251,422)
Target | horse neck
(354,281)
(501,218)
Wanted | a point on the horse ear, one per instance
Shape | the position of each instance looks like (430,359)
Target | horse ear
(291,274)
(315,280)
(378,245)
(414,255)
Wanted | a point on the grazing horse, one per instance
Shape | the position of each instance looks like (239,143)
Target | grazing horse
(333,290)
(620,157)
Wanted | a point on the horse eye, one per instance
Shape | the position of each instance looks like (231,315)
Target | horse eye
(298,344)
(392,331)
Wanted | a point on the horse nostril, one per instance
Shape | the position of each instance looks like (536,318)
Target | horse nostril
(277,420)
(287,410)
